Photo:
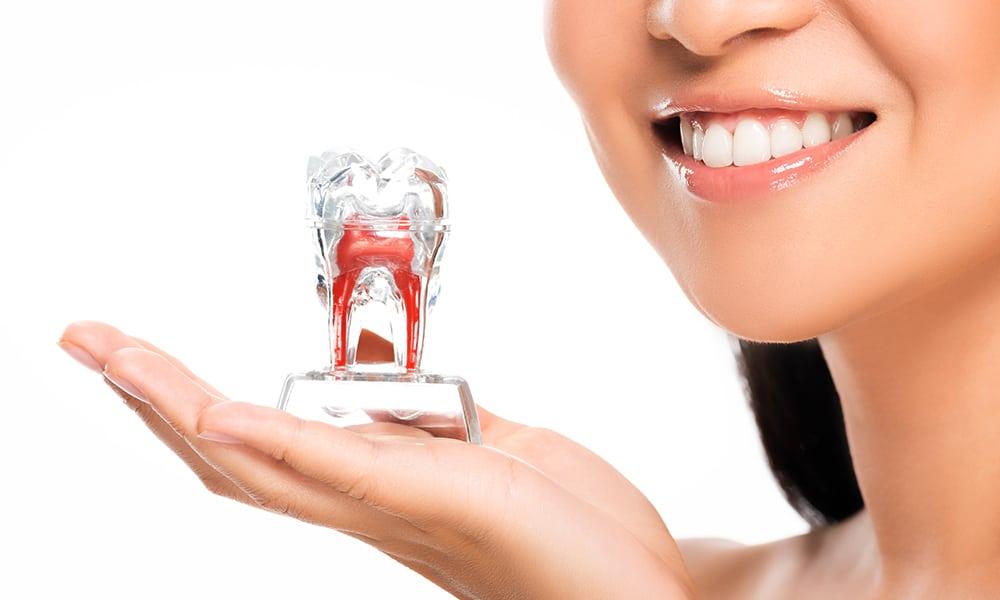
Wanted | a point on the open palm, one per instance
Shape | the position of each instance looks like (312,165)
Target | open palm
(530,514)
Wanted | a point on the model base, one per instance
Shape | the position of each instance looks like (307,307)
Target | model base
(438,404)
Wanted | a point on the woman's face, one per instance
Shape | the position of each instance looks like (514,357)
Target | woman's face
(829,232)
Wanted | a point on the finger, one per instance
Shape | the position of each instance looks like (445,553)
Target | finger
(493,427)
(444,487)
(179,366)
(581,472)
(212,479)
(418,480)
(99,341)
(591,479)
(268,482)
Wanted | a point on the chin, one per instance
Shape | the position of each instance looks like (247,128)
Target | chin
(784,312)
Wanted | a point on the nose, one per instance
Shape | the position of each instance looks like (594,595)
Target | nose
(705,27)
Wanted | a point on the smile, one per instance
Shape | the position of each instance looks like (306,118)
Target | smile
(728,156)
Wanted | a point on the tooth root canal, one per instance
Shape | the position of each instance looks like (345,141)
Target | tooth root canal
(720,140)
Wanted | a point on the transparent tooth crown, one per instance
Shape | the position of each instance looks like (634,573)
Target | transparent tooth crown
(379,232)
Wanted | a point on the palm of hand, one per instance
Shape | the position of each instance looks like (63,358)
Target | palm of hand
(529,514)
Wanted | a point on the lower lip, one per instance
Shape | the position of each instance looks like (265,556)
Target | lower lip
(754,182)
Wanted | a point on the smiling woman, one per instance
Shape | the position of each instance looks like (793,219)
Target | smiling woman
(785,159)
(817,176)
(631,65)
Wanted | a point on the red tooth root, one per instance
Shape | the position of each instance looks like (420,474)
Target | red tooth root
(392,249)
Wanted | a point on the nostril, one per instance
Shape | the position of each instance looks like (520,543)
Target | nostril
(757,33)
(710,29)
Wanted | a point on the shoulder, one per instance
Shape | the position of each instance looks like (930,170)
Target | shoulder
(703,553)
(723,569)
(718,567)
(793,567)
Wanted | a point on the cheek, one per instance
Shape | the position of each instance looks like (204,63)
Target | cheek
(875,230)
(592,45)
(933,48)
(922,205)
(800,264)
(918,205)
(785,269)
(881,225)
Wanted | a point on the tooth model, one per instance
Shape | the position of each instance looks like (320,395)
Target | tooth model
(379,231)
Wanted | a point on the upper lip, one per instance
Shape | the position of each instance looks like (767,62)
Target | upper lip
(720,100)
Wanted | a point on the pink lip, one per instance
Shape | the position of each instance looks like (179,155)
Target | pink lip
(716,100)
(738,184)
(732,184)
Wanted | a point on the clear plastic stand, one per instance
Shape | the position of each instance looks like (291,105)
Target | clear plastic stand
(379,231)
(440,405)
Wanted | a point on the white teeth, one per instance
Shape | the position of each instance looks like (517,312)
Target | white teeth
(842,126)
(815,130)
(718,146)
(686,133)
(751,143)
(697,141)
(786,137)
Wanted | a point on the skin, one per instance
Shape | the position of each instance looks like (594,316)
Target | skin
(889,256)
(530,514)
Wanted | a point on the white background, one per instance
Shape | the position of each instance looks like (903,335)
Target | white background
(152,175)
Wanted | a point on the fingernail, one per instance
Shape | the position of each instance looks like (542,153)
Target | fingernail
(81,356)
(222,438)
(124,385)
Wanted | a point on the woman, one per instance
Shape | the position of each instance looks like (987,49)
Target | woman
(817,175)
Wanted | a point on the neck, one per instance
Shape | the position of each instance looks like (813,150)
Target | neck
(920,387)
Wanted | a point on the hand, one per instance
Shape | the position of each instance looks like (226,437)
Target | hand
(530,514)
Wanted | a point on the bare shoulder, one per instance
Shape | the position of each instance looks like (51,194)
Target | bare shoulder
(801,566)
(702,554)
(724,569)
(715,564)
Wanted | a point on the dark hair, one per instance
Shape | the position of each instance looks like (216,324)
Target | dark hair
(801,426)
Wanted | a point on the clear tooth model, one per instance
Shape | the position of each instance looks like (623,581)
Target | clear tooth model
(379,232)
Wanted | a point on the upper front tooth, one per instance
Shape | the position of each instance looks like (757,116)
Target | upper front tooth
(786,138)
(842,126)
(815,130)
(718,146)
(751,143)
(686,133)
(697,141)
